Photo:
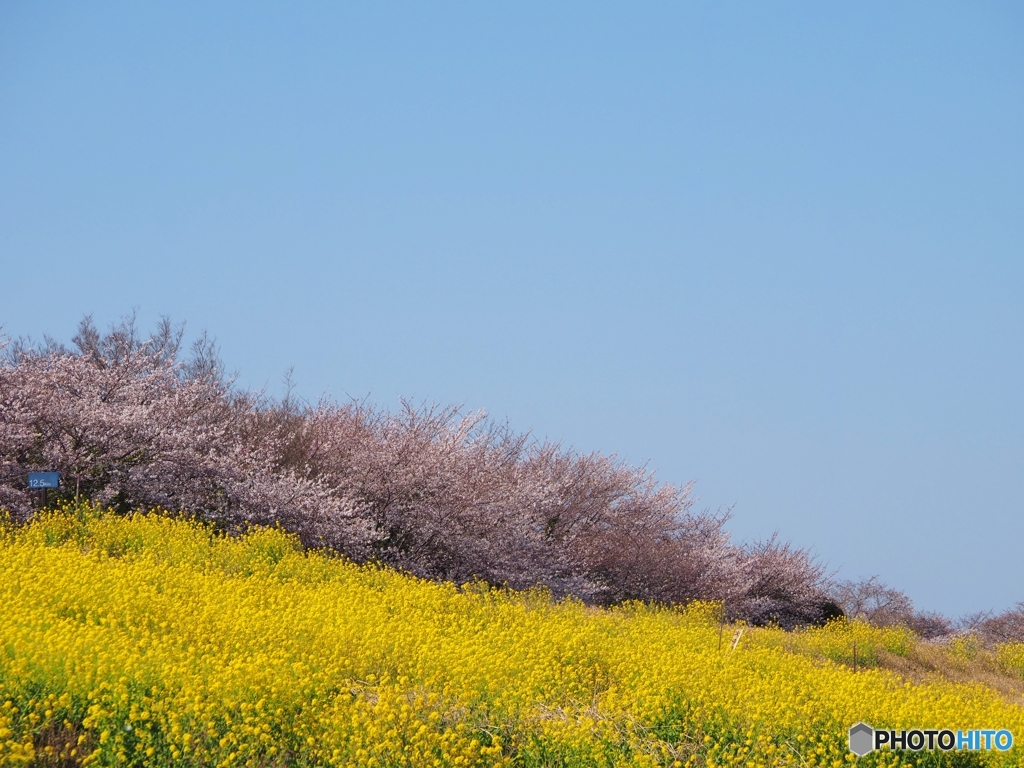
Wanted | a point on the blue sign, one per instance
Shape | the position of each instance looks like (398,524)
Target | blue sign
(43,479)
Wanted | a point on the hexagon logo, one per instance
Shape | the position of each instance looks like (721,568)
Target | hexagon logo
(862,739)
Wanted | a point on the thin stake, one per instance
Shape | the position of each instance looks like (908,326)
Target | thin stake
(855,656)
(736,639)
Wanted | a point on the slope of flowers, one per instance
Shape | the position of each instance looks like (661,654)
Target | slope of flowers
(144,640)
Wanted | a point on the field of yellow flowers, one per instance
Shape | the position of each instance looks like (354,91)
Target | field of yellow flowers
(144,640)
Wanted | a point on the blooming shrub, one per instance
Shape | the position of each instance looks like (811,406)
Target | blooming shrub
(1011,657)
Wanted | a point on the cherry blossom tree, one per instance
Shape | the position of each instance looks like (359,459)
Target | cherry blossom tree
(453,496)
(129,425)
(437,492)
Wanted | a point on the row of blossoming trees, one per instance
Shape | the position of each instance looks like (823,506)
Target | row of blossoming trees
(434,491)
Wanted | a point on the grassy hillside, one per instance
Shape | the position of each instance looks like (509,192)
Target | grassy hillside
(142,640)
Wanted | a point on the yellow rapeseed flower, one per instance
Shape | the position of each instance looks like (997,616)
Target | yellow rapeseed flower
(144,640)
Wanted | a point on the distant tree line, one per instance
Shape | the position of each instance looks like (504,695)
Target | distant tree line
(132,423)
(874,601)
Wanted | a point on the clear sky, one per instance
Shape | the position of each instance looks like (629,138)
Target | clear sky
(779,251)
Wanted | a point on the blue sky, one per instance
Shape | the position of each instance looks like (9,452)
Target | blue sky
(777,251)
